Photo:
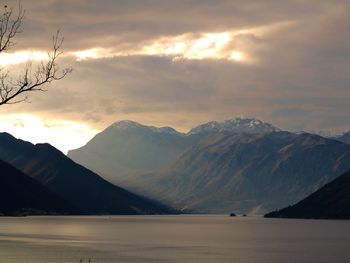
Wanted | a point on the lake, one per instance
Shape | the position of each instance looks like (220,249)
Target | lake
(185,238)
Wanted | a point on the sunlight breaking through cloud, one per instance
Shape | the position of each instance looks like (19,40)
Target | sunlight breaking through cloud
(235,45)
(206,46)
(22,57)
(63,134)
(187,46)
(229,45)
(93,53)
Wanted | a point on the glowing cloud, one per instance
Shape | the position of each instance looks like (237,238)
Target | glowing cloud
(187,46)
(207,45)
(93,53)
(21,57)
(237,56)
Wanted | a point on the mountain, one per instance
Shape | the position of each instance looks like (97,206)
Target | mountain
(344,138)
(22,195)
(237,125)
(239,165)
(243,172)
(332,201)
(81,187)
(127,149)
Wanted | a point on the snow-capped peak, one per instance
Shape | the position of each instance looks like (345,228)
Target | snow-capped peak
(249,125)
(125,124)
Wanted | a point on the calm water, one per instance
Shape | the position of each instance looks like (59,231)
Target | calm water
(172,239)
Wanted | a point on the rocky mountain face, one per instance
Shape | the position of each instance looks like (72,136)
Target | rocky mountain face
(22,195)
(237,125)
(239,165)
(247,173)
(332,201)
(126,148)
(84,189)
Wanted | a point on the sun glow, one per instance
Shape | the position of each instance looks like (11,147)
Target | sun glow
(64,135)
(93,53)
(225,45)
(237,56)
(206,46)
(186,46)
(22,57)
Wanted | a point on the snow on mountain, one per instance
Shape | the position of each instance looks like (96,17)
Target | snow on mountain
(125,124)
(249,125)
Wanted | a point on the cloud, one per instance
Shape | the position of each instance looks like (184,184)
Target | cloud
(130,24)
(236,46)
(169,62)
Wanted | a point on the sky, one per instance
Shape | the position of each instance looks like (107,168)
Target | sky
(182,63)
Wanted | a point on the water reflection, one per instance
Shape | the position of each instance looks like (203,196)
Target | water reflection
(172,239)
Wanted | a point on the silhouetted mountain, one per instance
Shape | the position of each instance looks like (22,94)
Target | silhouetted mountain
(332,201)
(76,184)
(344,138)
(22,195)
(248,172)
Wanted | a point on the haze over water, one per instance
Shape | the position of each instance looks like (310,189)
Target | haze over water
(172,239)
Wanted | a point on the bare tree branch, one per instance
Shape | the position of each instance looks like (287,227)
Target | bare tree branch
(33,78)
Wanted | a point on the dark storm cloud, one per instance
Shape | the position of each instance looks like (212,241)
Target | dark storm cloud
(300,81)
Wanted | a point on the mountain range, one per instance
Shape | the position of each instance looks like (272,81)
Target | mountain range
(80,187)
(332,201)
(240,165)
(127,148)
(248,173)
